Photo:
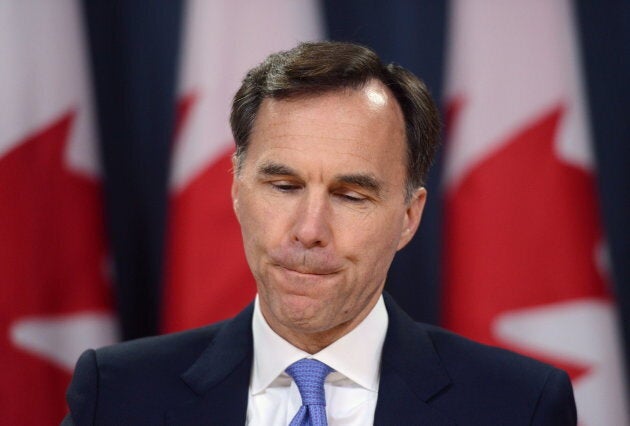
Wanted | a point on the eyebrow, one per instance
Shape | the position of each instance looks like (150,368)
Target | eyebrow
(275,169)
(361,180)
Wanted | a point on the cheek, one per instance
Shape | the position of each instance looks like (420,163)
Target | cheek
(373,235)
(261,225)
(371,247)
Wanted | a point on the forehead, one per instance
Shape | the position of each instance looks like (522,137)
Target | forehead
(362,127)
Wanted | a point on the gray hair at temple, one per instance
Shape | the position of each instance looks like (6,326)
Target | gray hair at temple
(315,68)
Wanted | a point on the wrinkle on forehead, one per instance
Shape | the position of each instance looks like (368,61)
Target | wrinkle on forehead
(377,98)
(335,153)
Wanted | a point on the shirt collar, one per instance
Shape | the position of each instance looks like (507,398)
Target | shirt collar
(357,355)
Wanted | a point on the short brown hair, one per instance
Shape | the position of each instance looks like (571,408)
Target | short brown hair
(319,67)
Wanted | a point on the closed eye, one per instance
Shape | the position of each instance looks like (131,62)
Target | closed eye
(283,186)
(353,197)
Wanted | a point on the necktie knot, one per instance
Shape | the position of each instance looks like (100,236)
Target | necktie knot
(309,376)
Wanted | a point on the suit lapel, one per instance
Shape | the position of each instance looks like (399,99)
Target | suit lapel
(411,374)
(220,378)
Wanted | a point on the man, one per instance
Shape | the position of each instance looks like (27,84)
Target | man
(332,151)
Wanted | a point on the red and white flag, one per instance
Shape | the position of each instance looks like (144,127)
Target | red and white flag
(207,277)
(54,295)
(525,254)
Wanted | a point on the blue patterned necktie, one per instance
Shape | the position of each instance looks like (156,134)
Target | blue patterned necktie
(309,376)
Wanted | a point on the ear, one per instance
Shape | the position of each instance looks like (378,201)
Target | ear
(413,214)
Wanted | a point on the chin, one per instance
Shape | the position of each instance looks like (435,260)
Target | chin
(297,311)
(297,306)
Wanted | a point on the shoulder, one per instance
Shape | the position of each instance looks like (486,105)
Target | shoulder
(508,382)
(129,381)
(472,383)
(460,357)
(136,361)
(466,357)
(182,347)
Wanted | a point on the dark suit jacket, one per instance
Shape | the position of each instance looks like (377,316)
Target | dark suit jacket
(428,377)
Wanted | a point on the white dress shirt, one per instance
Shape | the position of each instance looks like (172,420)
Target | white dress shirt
(351,390)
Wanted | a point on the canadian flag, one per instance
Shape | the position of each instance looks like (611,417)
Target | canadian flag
(207,278)
(55,300)
(525,255)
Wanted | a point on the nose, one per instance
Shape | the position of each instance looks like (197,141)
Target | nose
(312,227)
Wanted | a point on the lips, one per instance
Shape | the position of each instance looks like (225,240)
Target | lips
(307,263)
(305,271)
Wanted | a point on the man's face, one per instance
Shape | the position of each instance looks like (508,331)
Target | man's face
(320,197)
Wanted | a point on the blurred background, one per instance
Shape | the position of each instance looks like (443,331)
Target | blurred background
(115,214)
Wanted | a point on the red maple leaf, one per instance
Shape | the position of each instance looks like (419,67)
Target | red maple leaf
(51,262)
(521,230)
(207,277)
